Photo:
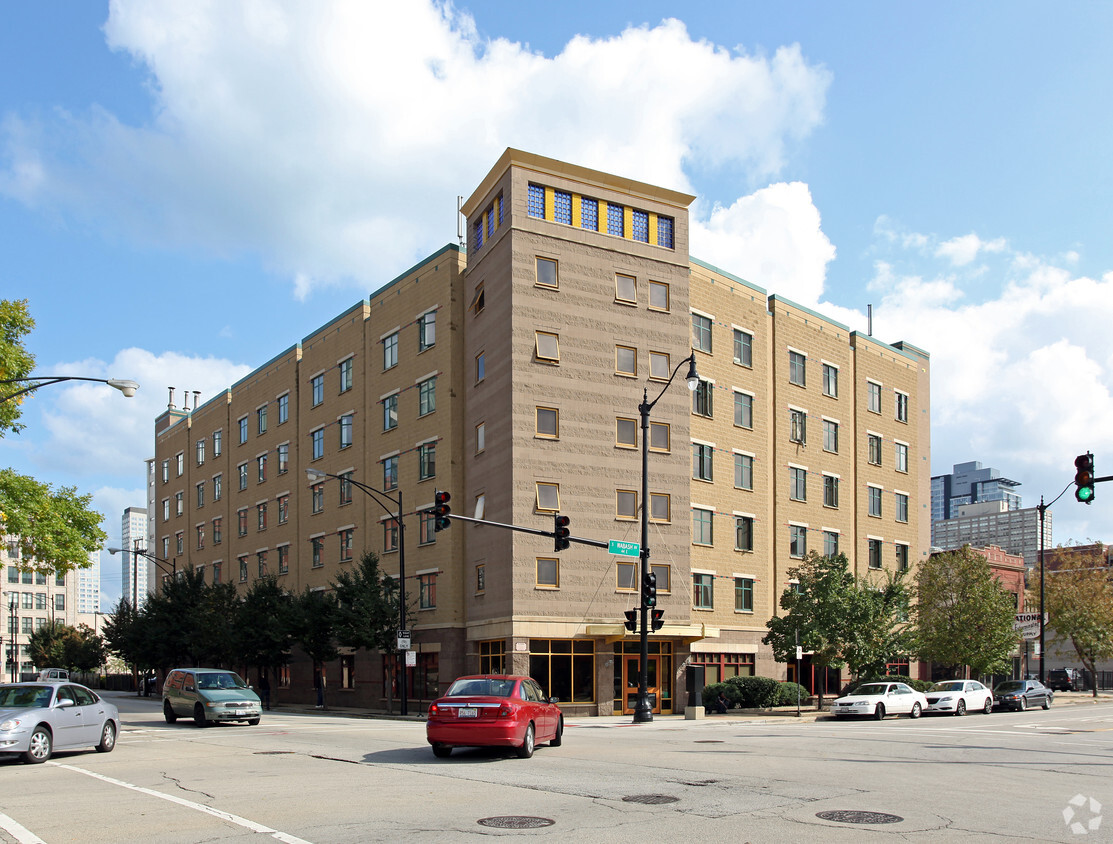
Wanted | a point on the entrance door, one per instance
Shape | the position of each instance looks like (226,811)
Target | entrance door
(631,671)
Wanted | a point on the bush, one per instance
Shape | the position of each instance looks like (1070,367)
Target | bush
(786,694)
(918,685)
(711,695)
(752,692)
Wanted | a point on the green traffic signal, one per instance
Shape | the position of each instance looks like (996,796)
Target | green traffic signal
(1084,478)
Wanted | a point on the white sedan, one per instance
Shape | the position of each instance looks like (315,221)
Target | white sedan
(879,699)
(957,697)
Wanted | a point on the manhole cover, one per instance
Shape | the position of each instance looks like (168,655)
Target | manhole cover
(515,822)
(844,816)
(650,799)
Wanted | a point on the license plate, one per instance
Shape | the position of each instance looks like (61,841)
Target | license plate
(241,711)
(467,713)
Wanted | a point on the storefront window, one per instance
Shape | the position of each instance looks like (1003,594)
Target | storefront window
(565,668)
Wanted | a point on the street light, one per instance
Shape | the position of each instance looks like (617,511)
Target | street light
(376,495)
(128,388)
(143,552)
(643,711)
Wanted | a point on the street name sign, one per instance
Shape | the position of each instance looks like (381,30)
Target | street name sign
(622,548)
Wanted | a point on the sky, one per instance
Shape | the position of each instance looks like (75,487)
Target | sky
(188,188)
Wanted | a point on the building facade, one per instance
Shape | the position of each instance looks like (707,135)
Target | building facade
(990,523)
(512,378)
(971,483)
(135,575)
(31,600)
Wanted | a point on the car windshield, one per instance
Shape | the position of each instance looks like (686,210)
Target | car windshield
(481,686)
(24,696)
(220,680)
(871,689)
(1011,686)
(949,686)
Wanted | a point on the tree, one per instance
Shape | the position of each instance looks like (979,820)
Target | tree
(367,606)
(47,645)
(15,361)
(315,623)
(265,624)
(877,624)
(1079,606)
(962,615)
(84,649)
(123,632)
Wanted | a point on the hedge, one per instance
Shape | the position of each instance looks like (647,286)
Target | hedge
(918,685)
(752,693)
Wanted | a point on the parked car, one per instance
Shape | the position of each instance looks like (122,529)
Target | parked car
(54,674)
(209,695)
(1021,694)
(37,719)
(957,697)
(880,699)
(494,710)
(1064,679)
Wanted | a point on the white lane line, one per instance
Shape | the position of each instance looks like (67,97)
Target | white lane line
(18,831)
(189,804)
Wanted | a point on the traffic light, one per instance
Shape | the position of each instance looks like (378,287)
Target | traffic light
(658,619)
(649,590)
(441,510)
(561,534)
(1084,478)
(632,620)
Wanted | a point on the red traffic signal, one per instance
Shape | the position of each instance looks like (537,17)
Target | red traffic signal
(441,510)
(632,620)
(562,537)
(658,619)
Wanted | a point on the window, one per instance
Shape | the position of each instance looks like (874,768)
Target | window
(481,580)
(180,458)
(480,437)
(345,488)
(703,591)
(427,591)
(830,380)
(660,507)
(390,350)
(241,521)
(658,296)
(480,367)
(318,438)
(626,504)
(283,559)
(625,360)
(217,442)
(180,540)
(283,458)
(201,494)
(797,541)
(243,431)
(701,399)
(797,368)
(427,461)
(346,375)
(179,505)
(243,569)
(743,347)
(548,422)
(701,333)
(317,498)
(639,226)
(200,452)
(624,577)
(616,223)
(165,547)
(743,410)
(166,470)
(702,461)
(427,396)
(346,430)
(535,201)
(626,432)
(797,483)
(218,487)
(390,412)
(547,346)
(478,301)
(548,496)
(902,557)
(744,533)
(426,528)
(701,527)
(902,507)
(241,472)
(830,491)
(317,544)
(200,531)
(283,408)
(874,494)
(589,214)
(426,331)
(283,509)
(626,288)
(218,530)
(664,232)
(875,553)
(546,272)
(873,396)
(830,543)
(901,406)
(345,537)
(60,603)
(390,472)
(317,386)
(261,468)
(390,535)
(743,594)
(874,442)
(902,457)
(831,436)
(261,516)
(548,572)
(798,426)
(660,366)
(743,471)
(660,436)
(166,509)
(261,420)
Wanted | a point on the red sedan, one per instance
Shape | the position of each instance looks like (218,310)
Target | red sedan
(494,710)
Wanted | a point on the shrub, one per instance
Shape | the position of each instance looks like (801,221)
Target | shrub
(752,692)
(786,694)
(711,695)
(918,685)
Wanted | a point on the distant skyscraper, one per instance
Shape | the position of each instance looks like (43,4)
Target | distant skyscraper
(970,483)
(88,585)
(133,573)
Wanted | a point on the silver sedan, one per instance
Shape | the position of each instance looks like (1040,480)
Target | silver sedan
(37,719)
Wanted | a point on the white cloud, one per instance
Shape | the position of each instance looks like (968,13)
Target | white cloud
(963,250)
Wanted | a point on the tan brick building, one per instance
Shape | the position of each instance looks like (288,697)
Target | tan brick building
(512,379)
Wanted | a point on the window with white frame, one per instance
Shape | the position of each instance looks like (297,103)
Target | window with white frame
(901,457)
(873,396)
(701,333)
(830,380)
(743,533)
(797,540)
(901,505)
(831,436)
(743,347)
(901,406)
(830,491)
(797,368)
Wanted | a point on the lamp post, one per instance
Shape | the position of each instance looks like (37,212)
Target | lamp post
(137,552)
(126,387)
(643,710)
(13,628)
(377,496)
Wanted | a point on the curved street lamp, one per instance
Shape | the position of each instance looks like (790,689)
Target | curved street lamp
(126,387)
(142,552)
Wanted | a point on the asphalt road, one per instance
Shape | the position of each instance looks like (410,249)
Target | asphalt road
(321,777)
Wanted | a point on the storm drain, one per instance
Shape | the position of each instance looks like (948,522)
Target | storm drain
(650,799)
(516,822)
(845,816)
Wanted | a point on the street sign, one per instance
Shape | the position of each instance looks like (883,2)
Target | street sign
(403,640)
(799,652)
(411,659)
(1027,624)
(622,548)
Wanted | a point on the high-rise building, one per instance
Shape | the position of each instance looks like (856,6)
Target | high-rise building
(134,569)
(991,523)
(88,585)
(513,379)
(970,483)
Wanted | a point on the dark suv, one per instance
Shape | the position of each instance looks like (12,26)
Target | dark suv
(1062,679)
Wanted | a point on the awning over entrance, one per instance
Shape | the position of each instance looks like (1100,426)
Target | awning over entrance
(687,633)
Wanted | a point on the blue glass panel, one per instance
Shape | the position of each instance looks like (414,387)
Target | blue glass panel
(664,232)
(535,205)
(614,220)
(589,214)
(639,226)
(562,207)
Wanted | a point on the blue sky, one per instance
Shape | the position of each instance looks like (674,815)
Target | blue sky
(186,189)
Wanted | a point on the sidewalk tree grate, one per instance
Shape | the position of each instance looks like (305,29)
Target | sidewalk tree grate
(848,816)
(515,822)
(650,799)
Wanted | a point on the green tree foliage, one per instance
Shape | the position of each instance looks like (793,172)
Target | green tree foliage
(1079,604)
(47,645)
(266,624)
(877,623)
(15,360)
(316,625)
(124,635)
(962,615)
(85,649)
(367,606)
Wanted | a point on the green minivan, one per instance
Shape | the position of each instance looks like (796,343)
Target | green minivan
(209,695)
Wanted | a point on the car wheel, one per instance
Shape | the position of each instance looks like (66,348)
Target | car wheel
(960,708)
(168,712)
(199,716)
(1021,704)
(988,707)
(559,737)
(1047,703)
(879,713)
(41,746)
(915,713)
(442,751)
(525,750)
(107,738)
(251,722)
